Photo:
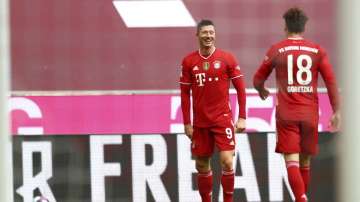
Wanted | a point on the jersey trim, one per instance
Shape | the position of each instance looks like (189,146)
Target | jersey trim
(185,83)
(237,76)
(207,56)
(295,38)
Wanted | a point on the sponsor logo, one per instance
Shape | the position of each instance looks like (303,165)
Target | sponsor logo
(200,79)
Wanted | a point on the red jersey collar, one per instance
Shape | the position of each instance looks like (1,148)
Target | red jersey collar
(208,55)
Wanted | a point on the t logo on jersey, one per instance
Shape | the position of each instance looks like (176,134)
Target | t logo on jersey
(200,78)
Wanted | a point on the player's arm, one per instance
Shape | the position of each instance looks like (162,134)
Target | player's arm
(328,76)
(262,74)
(185,88)
(238,82)
(239,86)
(185,107)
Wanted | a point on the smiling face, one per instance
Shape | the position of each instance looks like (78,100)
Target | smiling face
(206,36)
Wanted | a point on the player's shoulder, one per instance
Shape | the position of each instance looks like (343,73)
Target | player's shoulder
(311,43)
(275,46)
(189,58)
(224,53)
(317,48)
(281,43)
(191,55)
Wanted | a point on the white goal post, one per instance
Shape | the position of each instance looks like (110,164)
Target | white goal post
(349,42)
(6,176)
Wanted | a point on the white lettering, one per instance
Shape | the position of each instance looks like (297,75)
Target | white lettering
(39,180)
(175,108)
(186,167)
(32,110)
(303,48)
(143,174)
(100,169)
(289,48)
(300,89)
(309,49)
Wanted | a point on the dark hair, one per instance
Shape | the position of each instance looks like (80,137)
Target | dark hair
(203,23)
(295,20)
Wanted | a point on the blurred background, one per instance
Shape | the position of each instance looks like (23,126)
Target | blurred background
(86,45)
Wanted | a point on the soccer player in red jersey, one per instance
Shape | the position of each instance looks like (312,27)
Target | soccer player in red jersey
(207,73)
(297,63)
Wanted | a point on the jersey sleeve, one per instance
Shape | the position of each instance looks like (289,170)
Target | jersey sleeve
(236,77)
(265,69)
(185,75)
(233,67)
(185,103)
(185,88)
(328,76)
(239,85)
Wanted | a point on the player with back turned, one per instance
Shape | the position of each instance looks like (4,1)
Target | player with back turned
(207,73)
(297,63)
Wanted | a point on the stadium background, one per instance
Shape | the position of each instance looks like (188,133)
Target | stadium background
(75,48)
(85,45)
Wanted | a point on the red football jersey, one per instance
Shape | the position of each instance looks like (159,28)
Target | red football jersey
(209,80)
(297,63)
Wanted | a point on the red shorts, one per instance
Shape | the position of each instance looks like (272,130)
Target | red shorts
(297,136)
(204,139)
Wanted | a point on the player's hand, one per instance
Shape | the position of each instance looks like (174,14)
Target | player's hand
(263,93)
(189,130)
(240,125)
(335,121)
